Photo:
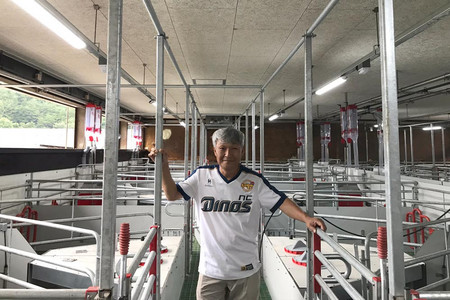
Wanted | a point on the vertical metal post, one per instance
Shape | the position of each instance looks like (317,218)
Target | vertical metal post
(261,132)
(238,123)
(159,145)
(443,145)
(433,154)
(391,150)
(406,149)
(253,137)
(187,209)
(195,137)
(192,136)
(411,145)
(205,143)
(246,138)
(309,162)
(367,144)
(105,261)
(202,143)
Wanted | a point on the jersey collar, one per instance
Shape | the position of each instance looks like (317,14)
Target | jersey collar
(232,179)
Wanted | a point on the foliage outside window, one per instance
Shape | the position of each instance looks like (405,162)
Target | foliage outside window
(29,122)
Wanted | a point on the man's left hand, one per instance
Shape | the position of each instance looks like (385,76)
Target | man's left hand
(312,223)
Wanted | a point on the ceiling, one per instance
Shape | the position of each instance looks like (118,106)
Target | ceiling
(242,42)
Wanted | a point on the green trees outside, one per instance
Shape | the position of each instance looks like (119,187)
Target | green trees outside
(19,110)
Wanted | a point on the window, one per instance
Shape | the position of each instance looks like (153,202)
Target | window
(30,122)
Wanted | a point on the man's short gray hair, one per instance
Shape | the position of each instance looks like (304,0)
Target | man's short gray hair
(228,135)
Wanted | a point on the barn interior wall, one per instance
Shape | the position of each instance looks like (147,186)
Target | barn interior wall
(280,143)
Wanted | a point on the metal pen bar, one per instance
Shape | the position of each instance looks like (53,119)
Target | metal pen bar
(325,288)
(434,284)
(73,239)
(132,267)
(369,275)
(52,225)
(50,260)
(19,282)
(434,295)
(140,281)
(353,293)
(82,219)
(352,218)
(355,237)
(76,294)
(148,288)
(426,257)
(427,224)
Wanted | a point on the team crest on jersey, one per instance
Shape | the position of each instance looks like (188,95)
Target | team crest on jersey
(209,182)
(247,185)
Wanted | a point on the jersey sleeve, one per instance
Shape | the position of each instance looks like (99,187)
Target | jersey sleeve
(270,197)
(188,187)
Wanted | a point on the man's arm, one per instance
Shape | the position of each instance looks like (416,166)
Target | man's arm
(293,211)
(168,185)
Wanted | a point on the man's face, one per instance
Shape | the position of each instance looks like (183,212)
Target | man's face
(228,155)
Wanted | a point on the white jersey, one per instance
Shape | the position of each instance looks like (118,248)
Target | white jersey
(228,212)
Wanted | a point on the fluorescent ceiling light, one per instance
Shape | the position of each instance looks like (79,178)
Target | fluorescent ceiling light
(273,117)
(210,81)
(47,19)
(331,85)
(375,126)
(432,128)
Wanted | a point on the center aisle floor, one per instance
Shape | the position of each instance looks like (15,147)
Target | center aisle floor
(190,283)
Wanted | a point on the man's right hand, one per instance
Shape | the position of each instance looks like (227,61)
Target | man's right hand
(154,152)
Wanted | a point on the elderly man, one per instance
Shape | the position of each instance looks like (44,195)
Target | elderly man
(228,198)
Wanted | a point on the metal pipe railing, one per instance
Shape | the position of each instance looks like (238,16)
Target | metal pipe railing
(431,295)
(20,282)
(426,257)
(66,228)
(363,270)
(140,253)
(148,288)
(91,218)
(136,292)
(353,293)
(52,261)
(76,294)
(325,288)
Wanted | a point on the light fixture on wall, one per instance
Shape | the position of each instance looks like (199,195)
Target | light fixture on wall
(331,85)
(51,22)
(428,128)
(364,67)
(182,123)
(274,117)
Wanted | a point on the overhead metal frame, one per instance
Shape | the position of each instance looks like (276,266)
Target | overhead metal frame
(441,13)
